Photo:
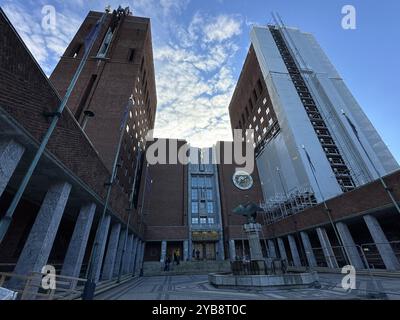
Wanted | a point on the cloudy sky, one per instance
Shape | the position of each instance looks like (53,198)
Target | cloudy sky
(200,46)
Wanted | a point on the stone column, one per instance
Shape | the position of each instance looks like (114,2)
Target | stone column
(385,249)
(134,251)
(137,260)
(163,251)
(109,261)
(128,255)
(102,233)
(40,241)
(10,154)
(327,248)
(294,251)
(349,245)
(77,245)
(312,262)
(282,250)
(120,249)
(252,231)
(185,250)
(272,249)
(232,250)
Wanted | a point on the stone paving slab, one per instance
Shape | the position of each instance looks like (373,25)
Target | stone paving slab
(196,287)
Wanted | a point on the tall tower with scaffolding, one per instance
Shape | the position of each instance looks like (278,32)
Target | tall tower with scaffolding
(293,98)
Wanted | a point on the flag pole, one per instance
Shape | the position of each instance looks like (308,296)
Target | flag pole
(387,189)
(6,220)
(327,209)
(130,209)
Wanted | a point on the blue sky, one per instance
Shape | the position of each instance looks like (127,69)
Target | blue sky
(200,46)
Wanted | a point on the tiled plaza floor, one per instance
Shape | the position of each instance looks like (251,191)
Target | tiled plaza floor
(197,288)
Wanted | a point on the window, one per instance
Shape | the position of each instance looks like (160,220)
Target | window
(195,195)
(265,101)
(254,119)
(259,85)
(262,120)
(264,130)
(203,220)
(195,220)
(194,182)
(131,55)
(211,220)
(208,182)
(106,43)
(195,207)
(257,128)
(251,104)
(270,122)
(77,49)
(85,96)
(209,194)
(255,96)
(267,111)
(210,207)
(259,110)
(127,129)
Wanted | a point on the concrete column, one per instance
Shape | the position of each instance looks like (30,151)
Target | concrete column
(349,245)
(128,255)
(163,251)
(252,231)
(134,250)
(282,250)
(185,250)
(40,241)
(385,249)
(294,251)
(102,233)
(312,262)
(232,250)
(10,154)
(327,248)
(137,259)
(109,261)
(120,249)
(271,249)
(77,246)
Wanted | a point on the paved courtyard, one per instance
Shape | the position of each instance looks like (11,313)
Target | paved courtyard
(196,287)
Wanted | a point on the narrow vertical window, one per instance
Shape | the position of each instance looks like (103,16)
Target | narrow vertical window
(131,55)
(85,96)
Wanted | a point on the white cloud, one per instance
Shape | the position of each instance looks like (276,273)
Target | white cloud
(45,45)
(195,81)
(222,27)
(193,60)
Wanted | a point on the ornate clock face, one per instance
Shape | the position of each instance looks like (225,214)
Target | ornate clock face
(242,180)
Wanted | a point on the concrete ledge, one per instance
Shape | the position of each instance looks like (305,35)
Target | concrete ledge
(286,280)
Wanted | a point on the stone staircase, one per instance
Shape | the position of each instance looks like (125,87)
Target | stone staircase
(154,268)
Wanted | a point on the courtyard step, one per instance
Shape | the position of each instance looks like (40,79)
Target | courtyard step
(155,268)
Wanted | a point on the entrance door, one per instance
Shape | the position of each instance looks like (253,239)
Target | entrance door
(204,250)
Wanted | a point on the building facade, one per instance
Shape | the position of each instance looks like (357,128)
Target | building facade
(307,152)
(61,211)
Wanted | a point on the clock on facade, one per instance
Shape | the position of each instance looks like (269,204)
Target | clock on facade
(242,180)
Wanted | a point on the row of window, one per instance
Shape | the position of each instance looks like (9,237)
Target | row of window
(202,194)
(201,206)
